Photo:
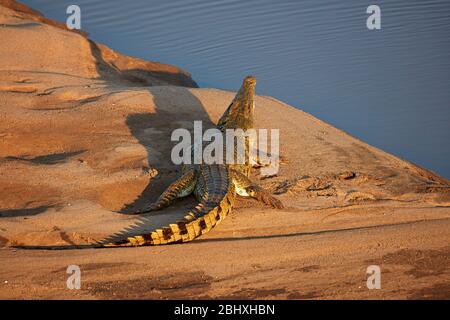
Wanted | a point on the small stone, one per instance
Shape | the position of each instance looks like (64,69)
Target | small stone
(347,175)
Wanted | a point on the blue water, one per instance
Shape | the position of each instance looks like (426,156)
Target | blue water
(388,87)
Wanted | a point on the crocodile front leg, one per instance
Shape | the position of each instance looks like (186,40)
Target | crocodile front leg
(245,187)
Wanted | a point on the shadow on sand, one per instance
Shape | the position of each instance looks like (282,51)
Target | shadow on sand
(153,131)
(25,212)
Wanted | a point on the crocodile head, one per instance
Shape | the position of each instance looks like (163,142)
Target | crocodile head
(239,114)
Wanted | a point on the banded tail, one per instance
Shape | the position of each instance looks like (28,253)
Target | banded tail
(216,189)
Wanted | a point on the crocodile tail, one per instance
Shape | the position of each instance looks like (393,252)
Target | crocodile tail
(219,196)
(198,221)
(184,230)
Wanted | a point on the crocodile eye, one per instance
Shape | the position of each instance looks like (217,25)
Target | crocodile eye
(251,192)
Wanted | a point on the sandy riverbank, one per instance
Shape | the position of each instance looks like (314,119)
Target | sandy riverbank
(85,132)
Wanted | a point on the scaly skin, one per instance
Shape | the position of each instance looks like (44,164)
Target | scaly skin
(215,186)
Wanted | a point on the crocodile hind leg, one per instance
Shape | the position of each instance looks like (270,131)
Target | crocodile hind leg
(245,187)
(177,189)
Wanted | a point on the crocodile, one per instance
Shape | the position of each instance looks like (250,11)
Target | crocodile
(215,186)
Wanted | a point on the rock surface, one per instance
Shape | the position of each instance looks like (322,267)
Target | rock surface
(85,138)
